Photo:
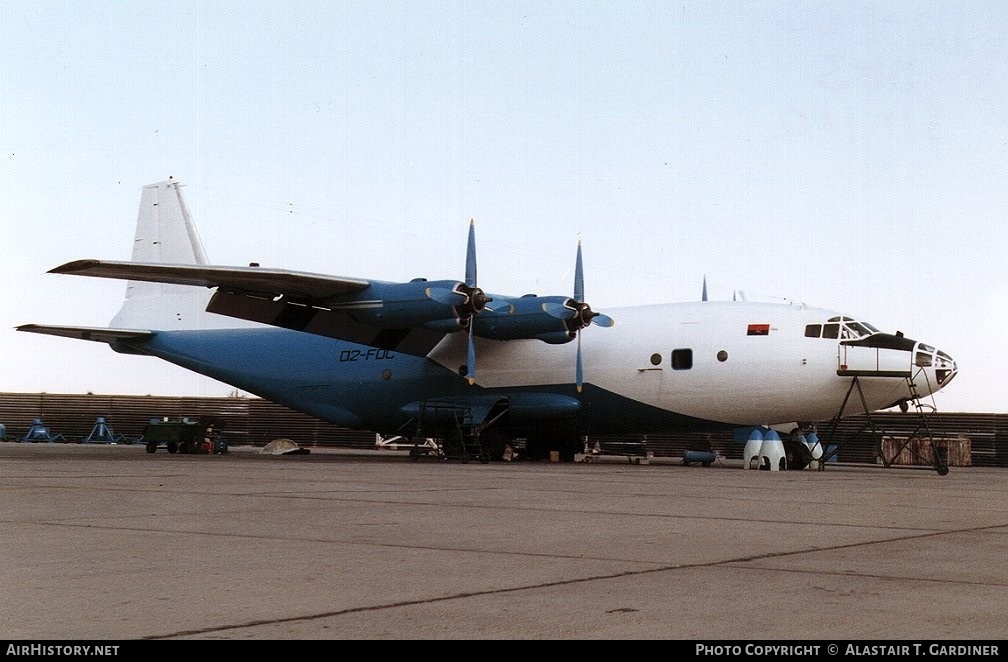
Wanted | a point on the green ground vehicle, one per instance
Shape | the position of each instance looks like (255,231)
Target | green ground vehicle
(183,436)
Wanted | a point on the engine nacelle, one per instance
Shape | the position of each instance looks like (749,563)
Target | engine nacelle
(526,317)
(431,304)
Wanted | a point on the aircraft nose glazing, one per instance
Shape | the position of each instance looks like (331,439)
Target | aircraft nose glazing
(932,359)
(945,368)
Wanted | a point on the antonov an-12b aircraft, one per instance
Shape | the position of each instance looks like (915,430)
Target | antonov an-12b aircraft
(440,357)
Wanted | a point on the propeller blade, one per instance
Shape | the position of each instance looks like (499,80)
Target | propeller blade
(579,371)
(579,277)
(603,320)
(470,274)
(703,297)
(446,296)
(471,358)
(558,310)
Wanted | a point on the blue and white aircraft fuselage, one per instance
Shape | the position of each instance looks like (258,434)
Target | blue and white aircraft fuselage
(380,356)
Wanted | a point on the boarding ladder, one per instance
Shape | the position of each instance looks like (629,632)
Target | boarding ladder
(924,411)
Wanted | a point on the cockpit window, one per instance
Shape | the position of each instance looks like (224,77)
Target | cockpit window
(922,359)
(841,327)
(855,330)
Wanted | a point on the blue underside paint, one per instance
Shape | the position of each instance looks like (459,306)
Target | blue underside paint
(357,386)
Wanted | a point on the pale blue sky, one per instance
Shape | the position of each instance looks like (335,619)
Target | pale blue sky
(850,155)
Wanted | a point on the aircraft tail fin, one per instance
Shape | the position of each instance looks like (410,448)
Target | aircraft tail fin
(165,234)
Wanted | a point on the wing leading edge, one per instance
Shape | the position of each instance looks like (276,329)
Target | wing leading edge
(248,280)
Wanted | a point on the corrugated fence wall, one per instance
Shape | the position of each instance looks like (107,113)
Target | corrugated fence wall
(240,420)
(255,421)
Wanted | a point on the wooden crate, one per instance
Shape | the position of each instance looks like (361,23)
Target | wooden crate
(918,451)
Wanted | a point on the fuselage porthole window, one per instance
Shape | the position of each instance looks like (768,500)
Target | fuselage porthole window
(722,356)
(656,359)
(682,359)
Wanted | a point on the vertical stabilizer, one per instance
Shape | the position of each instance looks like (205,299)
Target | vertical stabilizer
(165,234)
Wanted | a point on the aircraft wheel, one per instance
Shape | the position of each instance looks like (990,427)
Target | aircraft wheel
(943,471)
(414,453)
(172,447)
(496,441)
(151,447)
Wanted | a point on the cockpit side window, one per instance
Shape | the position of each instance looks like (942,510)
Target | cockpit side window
(853,330)
(844,328)
(858,329)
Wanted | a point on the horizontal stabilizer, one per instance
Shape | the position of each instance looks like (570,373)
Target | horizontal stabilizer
(248,280)
(97,334)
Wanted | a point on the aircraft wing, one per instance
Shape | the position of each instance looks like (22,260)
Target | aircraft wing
(246,280)
(351,309)
(411,317)
(97,334)
(334,323)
